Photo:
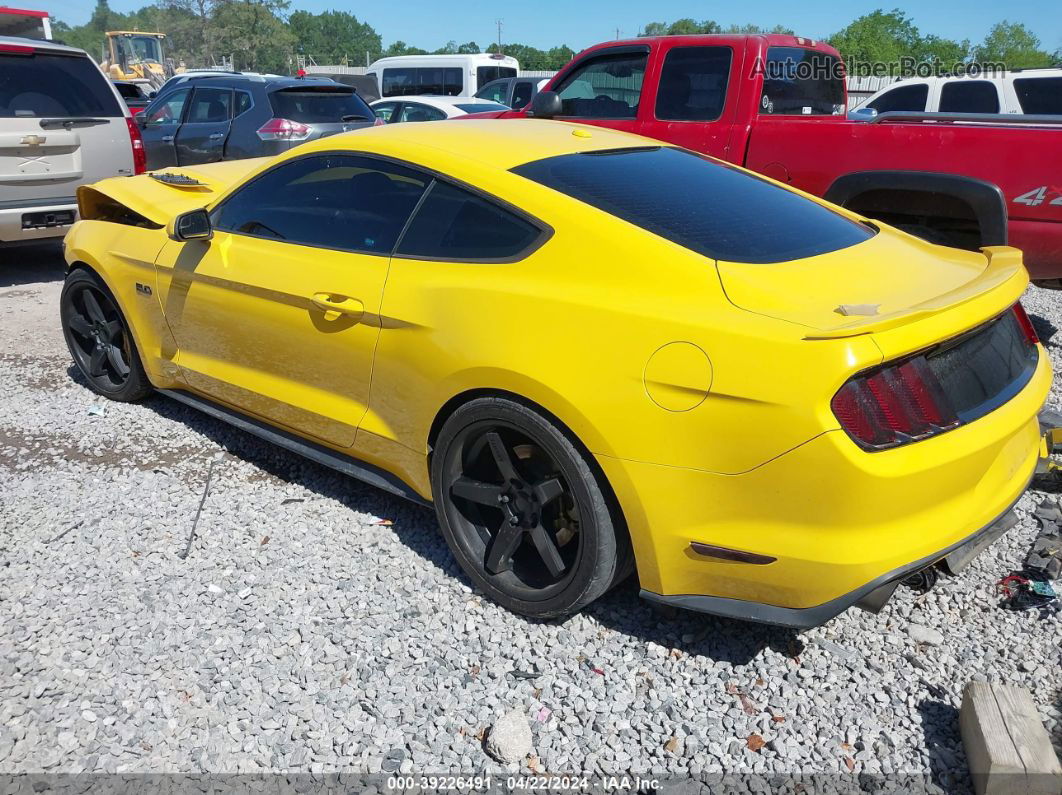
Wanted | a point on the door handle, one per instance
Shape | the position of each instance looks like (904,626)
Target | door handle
(216,136)
(335,304)
(167,139)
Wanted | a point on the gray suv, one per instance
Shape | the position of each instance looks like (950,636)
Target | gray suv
(62,124)
(208,118)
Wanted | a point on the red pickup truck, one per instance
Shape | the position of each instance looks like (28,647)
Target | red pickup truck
(776,104)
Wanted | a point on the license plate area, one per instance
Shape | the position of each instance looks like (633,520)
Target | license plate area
(46,219)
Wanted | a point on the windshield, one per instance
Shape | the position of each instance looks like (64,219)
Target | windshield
(327,106)
(484,74)
(704,205)
(800,82)
(140,48)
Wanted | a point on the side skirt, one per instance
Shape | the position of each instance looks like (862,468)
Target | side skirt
(366,473)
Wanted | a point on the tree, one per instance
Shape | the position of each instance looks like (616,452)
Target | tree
(947,53)
(655,29)
(1013,44)
(333,36)
(252,32)
(878,37)
(401,48)
(469,48)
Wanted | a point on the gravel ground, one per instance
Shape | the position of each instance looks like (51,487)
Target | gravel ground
(318,625)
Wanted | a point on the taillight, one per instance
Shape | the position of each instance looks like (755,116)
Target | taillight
(284,130)
(16,49)
(139,155)
(906,401)
(1026,324)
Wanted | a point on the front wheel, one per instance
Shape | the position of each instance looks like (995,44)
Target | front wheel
(99,338)
(522,510)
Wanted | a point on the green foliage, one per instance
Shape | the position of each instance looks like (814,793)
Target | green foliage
(333,37)
(1015,45)
(879,36)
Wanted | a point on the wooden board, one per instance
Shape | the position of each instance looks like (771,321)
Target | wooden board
(1007,747)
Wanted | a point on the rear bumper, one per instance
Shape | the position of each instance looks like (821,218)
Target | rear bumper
(826,523)
(12,212)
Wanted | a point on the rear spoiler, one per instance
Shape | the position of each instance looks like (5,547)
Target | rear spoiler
(1004,263)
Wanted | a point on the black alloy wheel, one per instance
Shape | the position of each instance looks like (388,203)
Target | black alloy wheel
(99,340)
(522,510)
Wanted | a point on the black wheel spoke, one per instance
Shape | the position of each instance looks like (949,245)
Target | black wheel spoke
(548,490)
(502,459)
(477,491)
(92,307)
(547,550)
(113,331)
(502,547)
(96,361)
(114,356)
(80,326)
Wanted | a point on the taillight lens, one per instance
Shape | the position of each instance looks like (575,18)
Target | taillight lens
(139,155)
(903,402)
(284,130)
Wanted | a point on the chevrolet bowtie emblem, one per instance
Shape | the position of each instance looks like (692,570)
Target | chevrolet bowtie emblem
(34,140)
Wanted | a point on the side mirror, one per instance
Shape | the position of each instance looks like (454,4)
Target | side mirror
(192,225)
(546,105)
(862,114)
(152,94)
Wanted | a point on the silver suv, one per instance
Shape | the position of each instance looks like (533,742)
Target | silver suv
(62,124)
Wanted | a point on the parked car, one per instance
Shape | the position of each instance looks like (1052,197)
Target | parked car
(513,92)
(439,75)
(430,108)
(590,350)
(62,124)
(189,74)
(1025,91)
(137,95)
(365,85)
(205,119)
(966,185)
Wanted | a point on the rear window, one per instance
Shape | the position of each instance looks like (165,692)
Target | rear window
(319,106)
(407,81)
(484,74)
(701,204)
(802,82)
(54,86)
(1039,94)
(969,96)
(481,107)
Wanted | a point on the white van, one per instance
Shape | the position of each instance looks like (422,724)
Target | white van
(441,75)
(1024,91)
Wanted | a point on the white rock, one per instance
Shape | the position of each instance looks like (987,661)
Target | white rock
(926,635)
(510,737)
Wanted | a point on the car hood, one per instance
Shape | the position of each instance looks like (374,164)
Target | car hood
(887,281)
(160,201)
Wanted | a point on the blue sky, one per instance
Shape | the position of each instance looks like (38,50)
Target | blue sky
(544,23)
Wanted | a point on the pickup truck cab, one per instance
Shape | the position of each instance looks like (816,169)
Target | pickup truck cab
(775,104)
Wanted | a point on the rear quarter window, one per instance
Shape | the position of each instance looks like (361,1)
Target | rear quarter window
(704,205)
(1040,95)
(45,85)
(318,106)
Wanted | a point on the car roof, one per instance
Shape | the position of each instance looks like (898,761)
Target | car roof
(495,143)
(271,81)
(41,44)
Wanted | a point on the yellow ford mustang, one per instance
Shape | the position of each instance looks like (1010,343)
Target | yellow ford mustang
(590,351)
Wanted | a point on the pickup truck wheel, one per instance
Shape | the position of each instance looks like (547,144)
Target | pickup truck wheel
(99,339)
(522,510)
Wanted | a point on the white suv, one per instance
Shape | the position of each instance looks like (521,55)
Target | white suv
(1027,91)
(62,124)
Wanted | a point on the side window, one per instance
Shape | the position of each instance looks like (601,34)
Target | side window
(384,111)
(523,91)
(606,87)
(404,81)
(210,105)
(495,92)
(908,98)
(413,111)
(969,96)
(243,103)
(453,223)
(693,84)
(168,112)
(341,202)
(1040,95)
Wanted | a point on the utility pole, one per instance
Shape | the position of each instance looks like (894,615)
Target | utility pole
(617,34)
(499,22)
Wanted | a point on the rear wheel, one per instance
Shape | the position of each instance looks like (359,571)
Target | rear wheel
(99,339)
(523,511)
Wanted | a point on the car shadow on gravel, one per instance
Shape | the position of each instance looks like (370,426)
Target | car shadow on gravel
(621,610)
(30,263)
(1045,330)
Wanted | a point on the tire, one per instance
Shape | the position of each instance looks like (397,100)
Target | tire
(505,477)
(98,338)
